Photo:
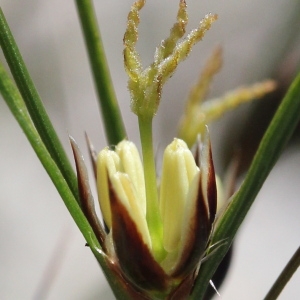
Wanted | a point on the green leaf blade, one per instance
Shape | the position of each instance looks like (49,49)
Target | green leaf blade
(276,137)
(34,104)
(18,108)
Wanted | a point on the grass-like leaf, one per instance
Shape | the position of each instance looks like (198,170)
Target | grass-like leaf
(34,104)
(276,137)
(284,276)
(18,108)
(26,106)
(111,115)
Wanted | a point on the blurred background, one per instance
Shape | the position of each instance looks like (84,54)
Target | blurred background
(42,253)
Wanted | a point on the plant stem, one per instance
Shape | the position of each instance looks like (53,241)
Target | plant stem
(113,123)
(153,216)
(276,137)
(18,108)
(285,276)
(34,105)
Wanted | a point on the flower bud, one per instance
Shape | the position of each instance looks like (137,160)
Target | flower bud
(187,201)
(179,170)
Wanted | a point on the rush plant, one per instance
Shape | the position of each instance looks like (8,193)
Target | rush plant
(159,237)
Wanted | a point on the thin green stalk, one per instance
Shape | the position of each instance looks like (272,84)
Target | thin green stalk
(34,104)
(111,115)
(18,108)
(284,277)
(276,137)
(153,216)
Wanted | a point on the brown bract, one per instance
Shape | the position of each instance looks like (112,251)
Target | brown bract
(203,214)
(86,197)
(133,254)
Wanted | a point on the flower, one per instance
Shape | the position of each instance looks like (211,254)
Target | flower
(157,232)
(187,208)
(145,84)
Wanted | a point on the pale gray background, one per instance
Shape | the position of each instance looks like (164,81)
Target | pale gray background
(35,228)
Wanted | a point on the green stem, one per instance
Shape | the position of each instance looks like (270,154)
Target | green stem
(34,104)
(153,216)
(18,108)
(113,123)
(276,137)
(285,276)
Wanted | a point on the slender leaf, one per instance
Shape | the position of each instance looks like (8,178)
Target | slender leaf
(18,108)
(284,276)
(276,137)
(34,104)
(113,123)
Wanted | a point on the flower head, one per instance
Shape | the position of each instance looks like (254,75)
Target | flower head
(156,232)
(187,207)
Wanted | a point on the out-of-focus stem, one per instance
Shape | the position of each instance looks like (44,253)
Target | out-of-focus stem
(285,276)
